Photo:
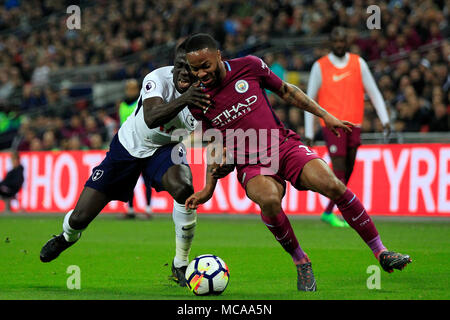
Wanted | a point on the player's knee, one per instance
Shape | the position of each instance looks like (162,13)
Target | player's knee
(333,188)
(182,192)
(270,205)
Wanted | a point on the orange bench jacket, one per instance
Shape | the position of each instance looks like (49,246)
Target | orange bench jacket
(342,90)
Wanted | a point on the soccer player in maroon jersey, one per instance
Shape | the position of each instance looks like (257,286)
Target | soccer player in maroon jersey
(240,110)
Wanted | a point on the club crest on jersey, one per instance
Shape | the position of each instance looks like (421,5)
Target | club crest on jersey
(241,86)
(333,148)
(149,86)
(180,151)
(190,120)
(97,174)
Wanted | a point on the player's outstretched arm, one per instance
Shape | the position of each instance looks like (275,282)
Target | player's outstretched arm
(214,171)
(206,193)
(295,96)
(157,112)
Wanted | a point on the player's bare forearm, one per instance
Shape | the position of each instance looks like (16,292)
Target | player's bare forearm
(296,97)
(205,194)
(157,113)
(211,182)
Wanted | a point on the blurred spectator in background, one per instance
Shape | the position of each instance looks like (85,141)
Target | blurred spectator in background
(9,119)
(439,119)
(76,128)
(74,143)
(127,106)
(35,144)
(92,128)
(27,135)
(41,72)
(96,142)
(49,141)
(13,181)
(277,64)
(33,97)
(107,123)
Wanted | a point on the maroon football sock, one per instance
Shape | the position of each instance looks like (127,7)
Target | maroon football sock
(340,174)
(283,232)
(356,216)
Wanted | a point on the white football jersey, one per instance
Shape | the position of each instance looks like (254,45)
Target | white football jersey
(134,134)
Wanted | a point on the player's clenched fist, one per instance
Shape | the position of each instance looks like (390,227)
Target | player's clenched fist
(195,97)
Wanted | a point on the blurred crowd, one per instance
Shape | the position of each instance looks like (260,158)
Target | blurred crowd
(83,131)
(409,56)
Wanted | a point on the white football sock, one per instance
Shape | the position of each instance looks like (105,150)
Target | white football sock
(185,223)
(69,233)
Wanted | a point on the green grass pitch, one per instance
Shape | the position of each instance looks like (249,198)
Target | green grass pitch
(131,259)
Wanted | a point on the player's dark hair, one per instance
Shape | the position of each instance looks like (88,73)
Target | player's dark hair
(181,47)
(338,32)
(200,41)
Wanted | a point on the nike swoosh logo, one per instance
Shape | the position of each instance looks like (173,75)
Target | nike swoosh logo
(312,286)
(308,152)
(339,77)
(269,225)
(354,219)
(354,196)
(282,236)
(186,229)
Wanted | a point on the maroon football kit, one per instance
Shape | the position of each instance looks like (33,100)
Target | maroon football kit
(250,129)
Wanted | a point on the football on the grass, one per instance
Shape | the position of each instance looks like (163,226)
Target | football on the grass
(207,274)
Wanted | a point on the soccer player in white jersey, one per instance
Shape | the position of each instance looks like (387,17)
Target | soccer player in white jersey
(144,145)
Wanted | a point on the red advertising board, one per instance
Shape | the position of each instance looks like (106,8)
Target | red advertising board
(401,179)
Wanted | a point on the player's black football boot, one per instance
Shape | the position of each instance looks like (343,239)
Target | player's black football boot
(179,275)
(305,277)
(52,249)
(392,260)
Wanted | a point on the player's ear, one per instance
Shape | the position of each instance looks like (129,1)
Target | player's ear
(219,55)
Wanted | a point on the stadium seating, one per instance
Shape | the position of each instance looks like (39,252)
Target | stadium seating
(50,73)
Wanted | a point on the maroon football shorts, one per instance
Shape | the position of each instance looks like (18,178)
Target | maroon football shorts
(292,157)
(338,146)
